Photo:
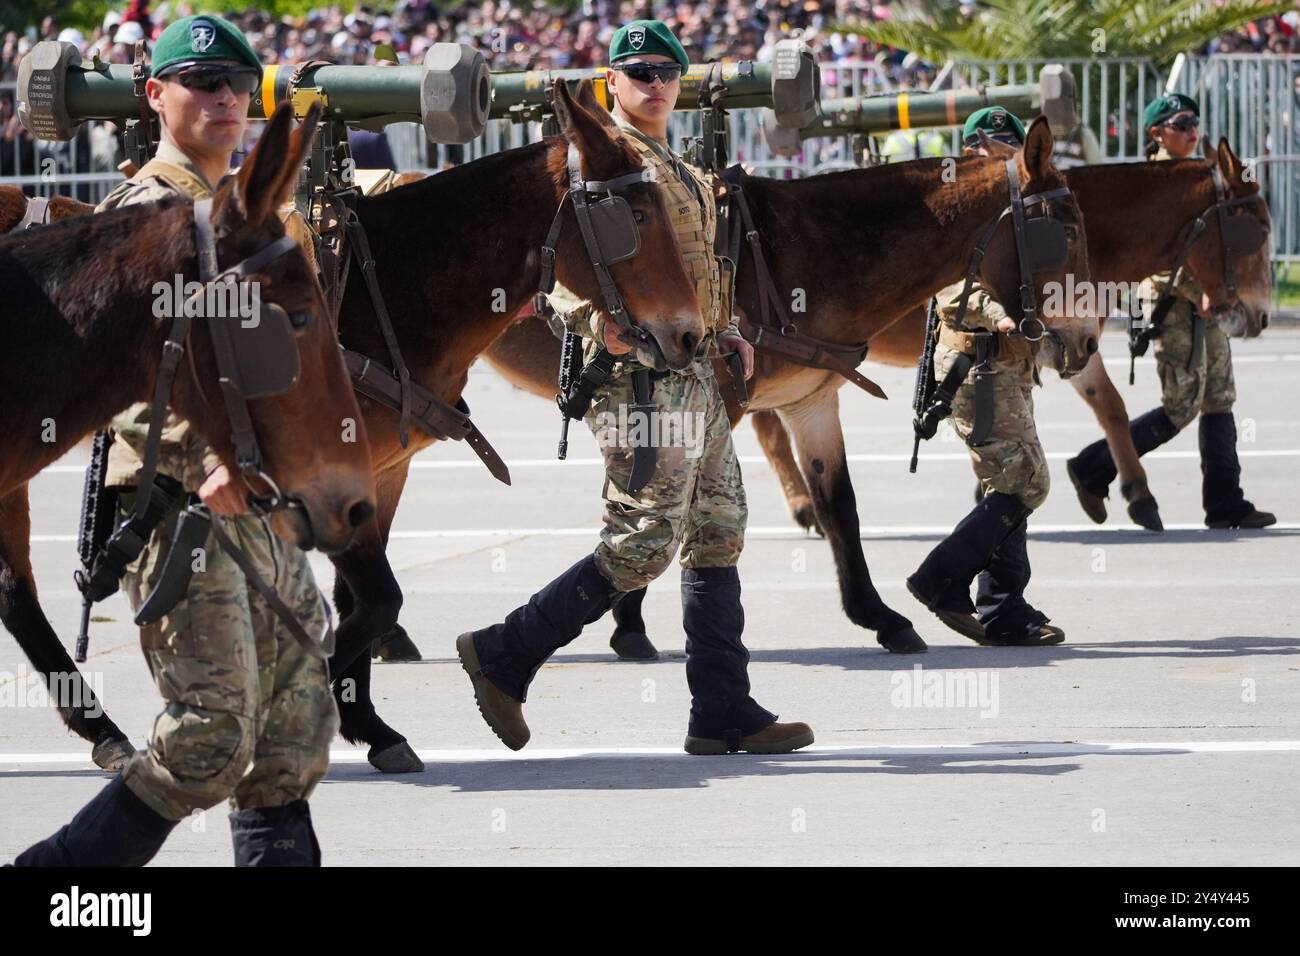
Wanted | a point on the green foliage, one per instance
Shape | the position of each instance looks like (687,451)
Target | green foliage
(1035,29)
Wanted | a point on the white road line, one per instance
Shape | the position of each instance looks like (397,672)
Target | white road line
(772,531)
(879,751)
(474,463)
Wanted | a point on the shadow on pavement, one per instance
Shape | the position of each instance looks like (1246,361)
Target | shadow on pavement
(659,771)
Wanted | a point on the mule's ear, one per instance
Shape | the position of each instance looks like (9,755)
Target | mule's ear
(1038,148)
(1229,164)
(266,181)
(1208,152)
(259,177)
(580,125)
(995,148)
(586,98)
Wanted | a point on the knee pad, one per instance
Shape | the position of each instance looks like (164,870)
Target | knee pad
(209,746)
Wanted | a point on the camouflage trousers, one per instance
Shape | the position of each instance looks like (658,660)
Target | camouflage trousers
(1012,460)
(695,500)
(1208,386)
(249,713)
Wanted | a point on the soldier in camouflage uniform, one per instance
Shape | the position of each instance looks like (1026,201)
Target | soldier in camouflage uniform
(1204,387)
(249,713)
(1010,464)
(695,500)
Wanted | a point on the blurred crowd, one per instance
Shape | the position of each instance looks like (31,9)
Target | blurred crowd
(530,34)
(512,35)
(540,34)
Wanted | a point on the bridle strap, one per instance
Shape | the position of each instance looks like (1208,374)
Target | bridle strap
(248,456)
(609,291)
(785,340)
(1016,209)
(247,453)
(1028,301)
(973,266)
(357,239)
(1196,228)
(578,193)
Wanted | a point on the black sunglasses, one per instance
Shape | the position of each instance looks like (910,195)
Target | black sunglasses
(1186,124)
(649,72)
(1007,139)
(240,82)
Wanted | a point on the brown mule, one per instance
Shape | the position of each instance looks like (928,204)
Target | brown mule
(81,307)
(1136,214)
(857,246)
(449,293)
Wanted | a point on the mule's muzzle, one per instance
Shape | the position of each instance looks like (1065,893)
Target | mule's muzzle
(298,523)
(1069,357)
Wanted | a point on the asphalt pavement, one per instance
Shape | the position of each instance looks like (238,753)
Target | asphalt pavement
(1166,730)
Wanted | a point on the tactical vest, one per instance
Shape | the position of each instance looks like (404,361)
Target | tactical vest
(185,183)
(179,180)
(695,221)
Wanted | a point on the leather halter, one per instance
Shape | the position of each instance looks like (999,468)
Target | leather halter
(586,212)
(1231,251)
(1016,210)
(248,455)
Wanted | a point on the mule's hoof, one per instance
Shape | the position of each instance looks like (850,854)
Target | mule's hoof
(1093,504)
(903,641)
(399,758)
(633,646)
(112,754)
(396,647)
(805,516)
(1145,513)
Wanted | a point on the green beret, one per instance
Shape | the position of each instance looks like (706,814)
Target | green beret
(203,39)
(646,36)
(995,121)
(1163,107)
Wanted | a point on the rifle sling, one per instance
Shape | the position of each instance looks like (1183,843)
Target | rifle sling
(124,545)
(192,527)
(1198,341)
(982,426)
(643,453)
